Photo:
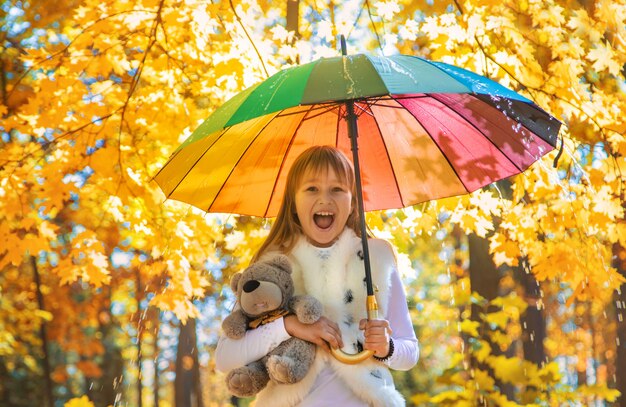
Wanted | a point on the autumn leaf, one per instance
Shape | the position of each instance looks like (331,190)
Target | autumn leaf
(79,402)
(603,57)
(469,327)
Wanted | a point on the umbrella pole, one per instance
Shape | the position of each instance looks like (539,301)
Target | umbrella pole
(353,133)
(371,306)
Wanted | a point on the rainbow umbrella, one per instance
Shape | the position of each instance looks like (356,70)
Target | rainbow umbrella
(426,130)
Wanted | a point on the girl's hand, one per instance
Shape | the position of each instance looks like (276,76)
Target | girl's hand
(377,333)
(324,332)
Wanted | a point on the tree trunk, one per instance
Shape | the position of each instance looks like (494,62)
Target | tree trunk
(619,256)
(187,387)
(157,354)
(4,384)
(47,370)
(293,16)
(293,22)
(485,280)
(533,321)
(112,365)
(139,297)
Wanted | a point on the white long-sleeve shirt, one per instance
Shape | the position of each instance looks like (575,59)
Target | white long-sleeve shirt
(328,389)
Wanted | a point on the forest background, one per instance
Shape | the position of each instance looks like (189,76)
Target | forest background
(112,295)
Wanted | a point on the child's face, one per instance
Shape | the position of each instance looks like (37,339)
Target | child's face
(323,204)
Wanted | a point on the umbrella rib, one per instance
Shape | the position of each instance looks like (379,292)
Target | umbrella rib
(458,176)
(337,126)
(480,131)
(197,161)
(163,168)
(256,136)
(282,161)
(321,110)
(393,170)
(327,107)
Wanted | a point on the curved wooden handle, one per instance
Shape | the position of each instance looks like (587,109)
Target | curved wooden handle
(353,359)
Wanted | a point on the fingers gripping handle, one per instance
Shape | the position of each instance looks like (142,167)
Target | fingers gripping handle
(352,359)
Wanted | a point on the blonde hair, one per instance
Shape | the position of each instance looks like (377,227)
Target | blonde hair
(286,228)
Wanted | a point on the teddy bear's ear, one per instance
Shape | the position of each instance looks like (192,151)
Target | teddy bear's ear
(234,280)
(282,262)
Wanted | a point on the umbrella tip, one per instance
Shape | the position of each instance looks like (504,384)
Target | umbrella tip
(343,45)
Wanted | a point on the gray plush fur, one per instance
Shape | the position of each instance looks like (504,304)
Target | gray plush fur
(269,282)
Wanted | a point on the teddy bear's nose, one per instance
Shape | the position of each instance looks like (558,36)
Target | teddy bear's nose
(251,286)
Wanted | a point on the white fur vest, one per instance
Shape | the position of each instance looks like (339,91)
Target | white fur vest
(335,276)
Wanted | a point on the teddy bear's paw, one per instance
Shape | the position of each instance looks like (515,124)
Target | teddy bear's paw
(282,369)
(241,384)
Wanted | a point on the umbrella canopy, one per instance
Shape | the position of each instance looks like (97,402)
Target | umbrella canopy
(427,130)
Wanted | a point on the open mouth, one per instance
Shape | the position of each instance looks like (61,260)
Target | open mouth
(324,220)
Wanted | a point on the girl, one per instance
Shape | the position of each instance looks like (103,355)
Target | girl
(317,227)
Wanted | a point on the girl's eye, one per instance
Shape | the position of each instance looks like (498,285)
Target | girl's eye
(338,189)
(311,189)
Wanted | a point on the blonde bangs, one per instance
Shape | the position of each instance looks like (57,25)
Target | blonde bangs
(318,162)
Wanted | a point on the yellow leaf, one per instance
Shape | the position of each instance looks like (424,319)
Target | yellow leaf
(45,315)
(605,201)
(487,202)
(500,338)
(604,58)
(27,223)
(420,399)
(79,402)
(483,380)
(601,391)
(469,327)
(507,369)
(484,351)
(549,374)
(498,318)
(502,401)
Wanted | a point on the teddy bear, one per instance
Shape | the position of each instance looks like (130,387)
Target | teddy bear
(265,292)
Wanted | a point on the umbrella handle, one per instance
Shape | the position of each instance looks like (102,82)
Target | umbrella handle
(353,359)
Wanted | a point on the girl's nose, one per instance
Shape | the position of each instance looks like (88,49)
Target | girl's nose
(325,197)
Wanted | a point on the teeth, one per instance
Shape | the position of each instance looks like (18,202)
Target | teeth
(324,213)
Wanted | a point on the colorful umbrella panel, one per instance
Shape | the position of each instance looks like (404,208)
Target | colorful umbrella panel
(426,131)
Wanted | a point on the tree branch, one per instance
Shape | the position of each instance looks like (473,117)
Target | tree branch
(249,38)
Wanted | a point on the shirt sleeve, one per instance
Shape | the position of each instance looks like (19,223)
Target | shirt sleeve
(234,353)
(406,348)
